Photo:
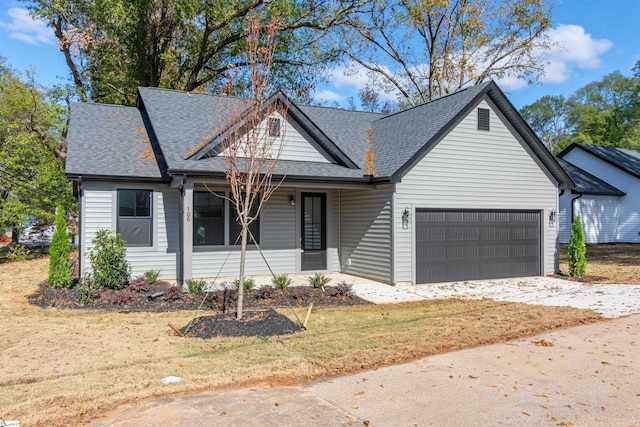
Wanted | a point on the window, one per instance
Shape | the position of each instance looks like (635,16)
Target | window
(274,127)
(235,228)
(483,119)
(134,217)
(208,218)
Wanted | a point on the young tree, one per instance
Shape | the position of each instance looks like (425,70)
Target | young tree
(577,249)
(59,273)
(425,49)
(253,142)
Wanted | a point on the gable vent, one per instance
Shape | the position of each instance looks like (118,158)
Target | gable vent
(483,119)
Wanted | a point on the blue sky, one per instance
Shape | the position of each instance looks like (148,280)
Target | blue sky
(595,38)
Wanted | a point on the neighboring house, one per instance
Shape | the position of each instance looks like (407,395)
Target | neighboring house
(463,189)
(607,194)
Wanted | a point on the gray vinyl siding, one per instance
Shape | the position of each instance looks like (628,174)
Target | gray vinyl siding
(564,216)
(627,220)
(474,169)
(99,212)
(366,232)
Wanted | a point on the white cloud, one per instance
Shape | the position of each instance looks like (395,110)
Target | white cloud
(574,49)
(24,28)
(329,95)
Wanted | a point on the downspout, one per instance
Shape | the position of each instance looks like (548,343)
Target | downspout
(180,278)
(573,209)
(80,245)
(339,245)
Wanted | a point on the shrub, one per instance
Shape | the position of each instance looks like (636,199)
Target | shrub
(123,297)
(87,291)
(342,290)
(110,267)
(300,293)
(195,286)
(318,280)
(281,281)
(139,284)
(18,252)
(151,276)
(249,284)
(265,292)
(577,250)
(173,293)
(59,273)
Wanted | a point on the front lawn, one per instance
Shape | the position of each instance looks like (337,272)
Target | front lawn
(63,367)
(609,263)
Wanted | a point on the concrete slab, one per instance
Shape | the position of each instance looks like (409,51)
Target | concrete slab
(582,376)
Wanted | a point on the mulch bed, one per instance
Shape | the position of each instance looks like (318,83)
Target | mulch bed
(125,300)
(264,323)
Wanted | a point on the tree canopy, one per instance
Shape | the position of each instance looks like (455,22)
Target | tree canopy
(32,180)
(113,46)
(605,112)
(422,49)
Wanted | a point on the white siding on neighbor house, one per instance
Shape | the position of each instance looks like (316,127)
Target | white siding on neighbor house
(474,169)
(279,242)
(366,232)
(599,216)
(298,145)
(628,214)
(99,212)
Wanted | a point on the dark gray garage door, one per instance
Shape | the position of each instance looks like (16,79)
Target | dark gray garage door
(456,245)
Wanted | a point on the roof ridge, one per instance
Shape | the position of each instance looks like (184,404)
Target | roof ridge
(103,105)
(458,92)
(328,107)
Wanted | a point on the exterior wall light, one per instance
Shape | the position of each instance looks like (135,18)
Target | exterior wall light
(292,200)
(405,218)
(553,216)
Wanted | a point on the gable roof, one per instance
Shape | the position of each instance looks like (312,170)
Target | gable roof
(587,183)
(109,140)
(622,158)
(185,126)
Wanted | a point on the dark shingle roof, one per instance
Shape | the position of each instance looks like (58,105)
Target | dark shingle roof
(623,158)
(108,140)
(182,122)
(587,183)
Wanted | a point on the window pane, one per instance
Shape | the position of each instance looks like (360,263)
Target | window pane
(143,203)
(235,228)
(208,219)
(126,202)
(135,231)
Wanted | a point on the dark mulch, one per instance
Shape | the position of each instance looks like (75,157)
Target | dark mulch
(263,323)
(585,279)
(126,300)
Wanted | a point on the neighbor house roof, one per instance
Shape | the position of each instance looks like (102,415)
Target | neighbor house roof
(623,158)
(182,126)
(587,183)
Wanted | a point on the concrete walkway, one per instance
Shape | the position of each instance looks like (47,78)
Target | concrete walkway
(583,376)
(607,299)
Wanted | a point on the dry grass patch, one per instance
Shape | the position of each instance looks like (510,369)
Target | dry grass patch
(609,263)
(63,367)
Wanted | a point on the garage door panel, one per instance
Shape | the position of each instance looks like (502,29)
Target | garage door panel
(470,245)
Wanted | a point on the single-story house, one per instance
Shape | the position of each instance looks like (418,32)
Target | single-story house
(462,189)
(607,193)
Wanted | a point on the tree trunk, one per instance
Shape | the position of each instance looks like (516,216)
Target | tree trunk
(15,235)
(243,254)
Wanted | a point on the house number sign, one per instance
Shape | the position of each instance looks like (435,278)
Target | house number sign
(188,214)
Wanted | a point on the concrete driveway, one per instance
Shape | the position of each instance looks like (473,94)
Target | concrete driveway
(607,299)
(580,376)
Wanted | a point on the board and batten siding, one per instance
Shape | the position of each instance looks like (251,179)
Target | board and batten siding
(628,221)
(99,206)
(475,169)
(298,145)
(366,232)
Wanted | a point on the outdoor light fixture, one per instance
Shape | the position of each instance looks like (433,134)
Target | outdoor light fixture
(552,217)
(292,200)
(405,218)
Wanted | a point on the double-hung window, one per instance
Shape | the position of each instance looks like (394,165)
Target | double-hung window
(135,217)
(208,218)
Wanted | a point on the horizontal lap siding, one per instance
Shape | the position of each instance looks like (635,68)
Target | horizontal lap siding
(365,232)
(472,169)
(99,206)
(599,216)
(628,214)
(564,216)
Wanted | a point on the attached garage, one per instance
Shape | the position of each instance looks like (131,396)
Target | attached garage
(453,245)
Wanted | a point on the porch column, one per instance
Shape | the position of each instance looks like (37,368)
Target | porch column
(187,227)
